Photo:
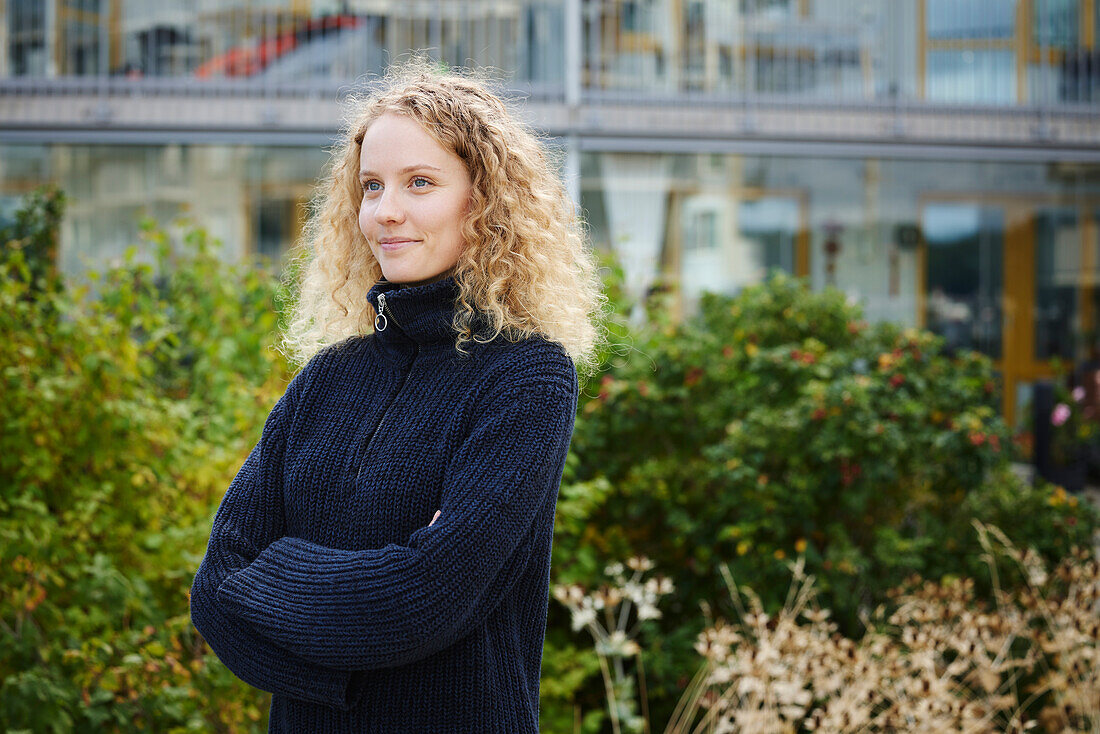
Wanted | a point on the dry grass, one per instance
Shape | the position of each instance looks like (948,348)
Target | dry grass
(937,661)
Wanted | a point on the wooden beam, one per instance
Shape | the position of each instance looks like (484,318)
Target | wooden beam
(114,29)
(1047,55)
(1023,44)
(1087,24)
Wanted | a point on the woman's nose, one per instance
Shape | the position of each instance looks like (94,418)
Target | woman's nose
(388,209)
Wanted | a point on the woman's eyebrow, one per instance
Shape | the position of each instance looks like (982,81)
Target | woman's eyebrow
(406,169)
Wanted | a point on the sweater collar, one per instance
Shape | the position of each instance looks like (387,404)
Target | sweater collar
(421,313)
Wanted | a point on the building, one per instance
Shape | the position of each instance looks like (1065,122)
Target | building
(939,160)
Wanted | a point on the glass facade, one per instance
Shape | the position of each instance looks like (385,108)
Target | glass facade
(1010,51)
(1002,52)
(254,200)
(935,159)
(276,40)
(999,257)
(964,275)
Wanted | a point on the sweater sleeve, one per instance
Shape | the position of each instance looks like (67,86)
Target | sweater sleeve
(376,608)
(249,518)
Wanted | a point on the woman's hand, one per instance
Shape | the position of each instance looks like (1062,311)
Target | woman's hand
(435,517)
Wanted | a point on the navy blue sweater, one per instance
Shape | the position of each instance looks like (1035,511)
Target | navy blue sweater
(323,582)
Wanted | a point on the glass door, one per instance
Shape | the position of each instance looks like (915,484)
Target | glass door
(977,284)
(964,275)
(1015,279)
(1060,276)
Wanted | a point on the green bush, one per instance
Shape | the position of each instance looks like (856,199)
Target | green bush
(773,420)
(33,231)
(124,417)
(778,423)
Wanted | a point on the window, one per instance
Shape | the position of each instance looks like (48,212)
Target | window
(1054,23)
(965,275)
(971,76)
(701,232)
(974,19)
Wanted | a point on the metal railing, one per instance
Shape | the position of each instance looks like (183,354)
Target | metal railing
(707,69)
(1041,52)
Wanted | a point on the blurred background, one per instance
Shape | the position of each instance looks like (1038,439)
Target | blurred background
(937,160)
(852,254)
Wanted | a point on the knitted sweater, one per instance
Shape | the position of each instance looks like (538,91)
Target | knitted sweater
(323,582)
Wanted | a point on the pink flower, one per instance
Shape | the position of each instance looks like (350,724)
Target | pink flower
(1078,393)
(1060,414)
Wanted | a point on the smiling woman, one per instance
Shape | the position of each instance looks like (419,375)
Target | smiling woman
(415,196)
(523,267)
(381,561)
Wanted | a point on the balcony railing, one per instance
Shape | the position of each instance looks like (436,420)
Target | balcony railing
(1021,73)
(998,52)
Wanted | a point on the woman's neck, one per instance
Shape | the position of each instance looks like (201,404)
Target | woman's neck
(445,274)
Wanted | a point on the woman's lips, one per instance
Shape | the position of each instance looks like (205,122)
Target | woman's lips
(391,245)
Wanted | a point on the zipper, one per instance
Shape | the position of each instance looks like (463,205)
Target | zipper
(380,316)
(370,439)
(380,323)
(366,446)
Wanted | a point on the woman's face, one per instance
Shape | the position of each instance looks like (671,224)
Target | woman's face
(415,198)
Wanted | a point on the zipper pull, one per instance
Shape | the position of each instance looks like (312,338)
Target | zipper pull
(380,317)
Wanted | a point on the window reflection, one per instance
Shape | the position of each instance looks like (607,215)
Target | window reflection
(245,38)
(977,51)
(964,275)
(729,243)
(1090,285)
(338,51)
(1054,22)
(278,225)
(27,37)
(769,225)
(1057,279)
(971,19)
(987,77)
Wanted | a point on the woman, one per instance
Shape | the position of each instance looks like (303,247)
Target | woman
(381,561)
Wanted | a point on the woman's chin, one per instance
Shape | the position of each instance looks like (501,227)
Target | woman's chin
(407,278)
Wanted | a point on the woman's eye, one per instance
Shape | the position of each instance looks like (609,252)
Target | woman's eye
(372,186)
(417,181)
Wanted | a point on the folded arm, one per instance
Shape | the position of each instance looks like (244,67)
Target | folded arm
(249,518)
(377,608)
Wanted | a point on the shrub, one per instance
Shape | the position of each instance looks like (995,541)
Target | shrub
(778,424)
(933,658)
(124,416)
(749,433)
(33,231)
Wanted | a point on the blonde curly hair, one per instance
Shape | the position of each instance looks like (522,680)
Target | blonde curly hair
(528,269)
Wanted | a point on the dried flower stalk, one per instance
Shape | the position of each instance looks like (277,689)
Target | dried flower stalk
(939,661)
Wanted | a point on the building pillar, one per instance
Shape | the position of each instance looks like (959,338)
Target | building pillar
(574,59)
(574,56)
(636,188)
